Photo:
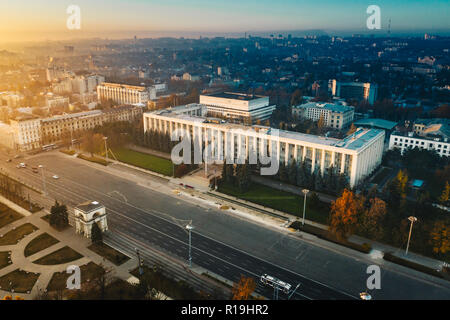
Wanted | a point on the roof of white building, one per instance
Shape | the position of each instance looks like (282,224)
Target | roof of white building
(353,142)
(328,106)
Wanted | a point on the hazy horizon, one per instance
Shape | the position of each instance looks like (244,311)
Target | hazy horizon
(24,21)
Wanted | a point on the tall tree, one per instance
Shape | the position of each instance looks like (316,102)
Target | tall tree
(372,219)
(96,233)
(443,199)
(344,214)
(440,237)
(244,288)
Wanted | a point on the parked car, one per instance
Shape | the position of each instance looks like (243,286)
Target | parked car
(22,165)
(55,177)
(9,160)
(35,169)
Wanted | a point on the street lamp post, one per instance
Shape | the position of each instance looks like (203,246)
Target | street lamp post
(43,179)
(139,262)
(305,192)
(106,149)
(189,227)
(412,219)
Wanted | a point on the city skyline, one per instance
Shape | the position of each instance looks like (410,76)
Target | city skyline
(46,19)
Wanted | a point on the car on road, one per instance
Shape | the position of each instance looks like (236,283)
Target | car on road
(35,169)
(55,177)
(8,160)
(365,296)
(22,165)
(16,156)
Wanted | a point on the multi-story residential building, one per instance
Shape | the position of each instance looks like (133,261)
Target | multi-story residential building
(125,94)
(356,156)
(403,141)
(428,134)
(55,128)
(243,107)
(27,132)
(355,90)
(334,116)
(53,101)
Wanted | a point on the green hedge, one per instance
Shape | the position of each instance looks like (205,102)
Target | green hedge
(326,235)
(93,159)
(69,152)
(407,263)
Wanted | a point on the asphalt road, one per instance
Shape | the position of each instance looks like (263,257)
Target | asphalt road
(222,243)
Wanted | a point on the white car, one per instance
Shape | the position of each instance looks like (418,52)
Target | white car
(22,165)
(365,296)
(55,177)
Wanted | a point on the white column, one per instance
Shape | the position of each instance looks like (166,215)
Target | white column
(322,162)
(313,162)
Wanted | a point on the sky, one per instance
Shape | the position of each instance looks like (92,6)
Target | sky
(22,20)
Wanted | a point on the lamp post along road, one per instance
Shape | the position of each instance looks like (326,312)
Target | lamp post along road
(106,149)
(412,219)
(43,179)
(305,192)
(189,227)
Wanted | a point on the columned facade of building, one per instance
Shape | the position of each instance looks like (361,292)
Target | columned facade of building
(355,156)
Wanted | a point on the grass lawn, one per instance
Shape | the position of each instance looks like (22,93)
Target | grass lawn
(4,259)
(13,236)
(88,272)
(279,200)
(382,175)
(39,243)
(60,256)
(144,161)
(109,253)
(8,215)
(19,280)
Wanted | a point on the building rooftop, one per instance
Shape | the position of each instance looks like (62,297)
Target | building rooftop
(329,106)
(353,142)
(233,95)
(377,123)
(89,206)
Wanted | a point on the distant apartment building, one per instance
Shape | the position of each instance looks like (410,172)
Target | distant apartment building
(56,73)
(356,156)
(125,94)
(355,90)
(334,116)
(11,99)
(239,106)
(52,101)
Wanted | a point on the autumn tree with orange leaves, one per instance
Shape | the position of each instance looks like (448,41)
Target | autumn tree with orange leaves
(344,214)
(244,288)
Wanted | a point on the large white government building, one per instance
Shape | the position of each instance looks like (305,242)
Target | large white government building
(239,106)
(356,156)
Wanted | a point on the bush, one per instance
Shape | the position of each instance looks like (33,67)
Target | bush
(93,159)
(406,263)
(326,235)
(69,152)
